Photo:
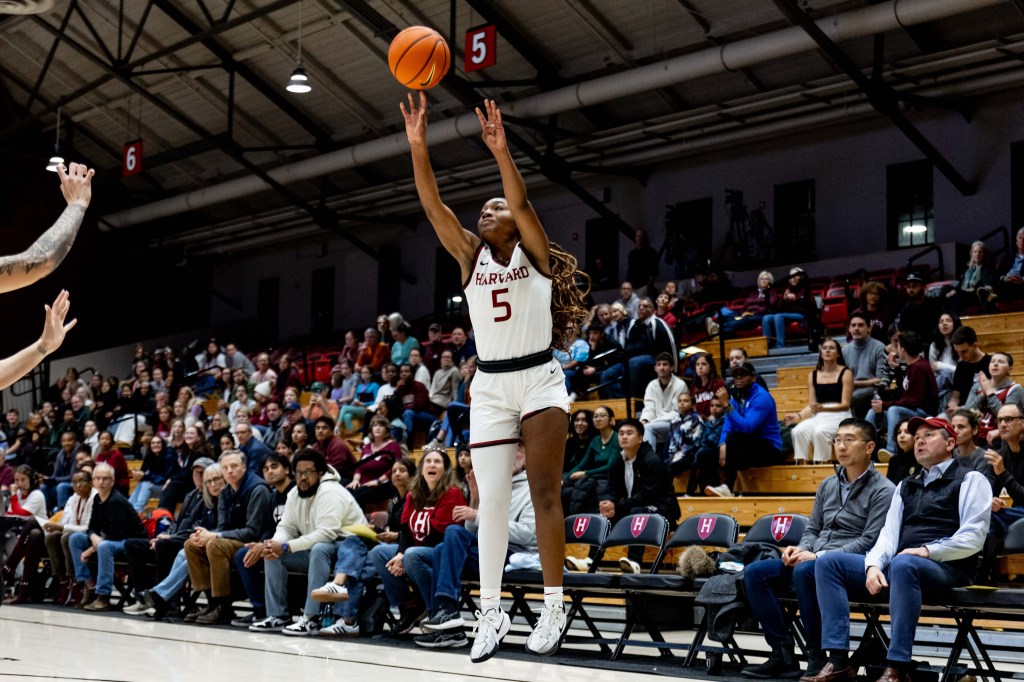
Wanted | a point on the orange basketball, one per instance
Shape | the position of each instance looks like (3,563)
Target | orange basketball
(419,57)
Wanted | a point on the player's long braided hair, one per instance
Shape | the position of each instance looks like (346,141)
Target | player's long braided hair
(569,287)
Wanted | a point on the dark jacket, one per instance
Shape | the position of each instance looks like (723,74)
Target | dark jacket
(193,514)
(1012,477)
(242,513)
(115,519)
(652,486)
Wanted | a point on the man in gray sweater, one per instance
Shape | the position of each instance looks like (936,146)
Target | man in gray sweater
(865,357)
(849,512)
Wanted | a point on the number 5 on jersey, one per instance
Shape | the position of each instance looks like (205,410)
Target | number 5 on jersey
(501,305)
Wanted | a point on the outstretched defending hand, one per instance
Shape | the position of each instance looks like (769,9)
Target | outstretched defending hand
(76,184)
(415,119)
(493,132)
(54,328)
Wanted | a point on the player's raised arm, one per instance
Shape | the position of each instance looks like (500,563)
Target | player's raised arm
(534,238)
(459,242)
(54,329)
(43,257)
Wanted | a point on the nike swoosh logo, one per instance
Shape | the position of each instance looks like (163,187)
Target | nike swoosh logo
(485,262)
(552,370)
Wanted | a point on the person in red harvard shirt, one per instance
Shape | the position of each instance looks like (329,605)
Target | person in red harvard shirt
(429,508)
(112,456)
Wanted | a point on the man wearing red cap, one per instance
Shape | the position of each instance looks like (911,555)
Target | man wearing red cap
(931,541)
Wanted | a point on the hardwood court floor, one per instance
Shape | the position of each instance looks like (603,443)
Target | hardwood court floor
(47,644)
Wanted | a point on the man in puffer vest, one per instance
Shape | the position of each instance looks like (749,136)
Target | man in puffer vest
(931,542)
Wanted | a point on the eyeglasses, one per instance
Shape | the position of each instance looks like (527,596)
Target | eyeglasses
(845,441)
(306,475)
(1006,420)
(215,479)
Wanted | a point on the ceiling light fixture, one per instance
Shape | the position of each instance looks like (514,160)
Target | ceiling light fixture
(299,82)
(56,160)
(915,229)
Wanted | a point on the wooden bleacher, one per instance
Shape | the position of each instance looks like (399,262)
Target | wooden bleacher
(1004,333)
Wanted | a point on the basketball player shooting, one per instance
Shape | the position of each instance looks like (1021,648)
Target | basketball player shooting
(38,261)
(522,299)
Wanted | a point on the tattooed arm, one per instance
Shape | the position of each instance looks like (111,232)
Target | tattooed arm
(54,329)
(43,257)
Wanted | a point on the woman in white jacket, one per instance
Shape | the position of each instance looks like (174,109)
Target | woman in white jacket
(75,519)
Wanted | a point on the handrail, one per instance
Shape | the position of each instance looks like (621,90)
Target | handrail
(1003,230)
(924,252)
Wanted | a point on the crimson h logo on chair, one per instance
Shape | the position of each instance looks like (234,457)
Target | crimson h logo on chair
(705,526)
(639,523)
(580,526)
(780,526)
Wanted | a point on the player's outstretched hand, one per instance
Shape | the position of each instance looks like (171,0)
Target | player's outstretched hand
(492,130)
(76,184)
(415,119)
(54,328)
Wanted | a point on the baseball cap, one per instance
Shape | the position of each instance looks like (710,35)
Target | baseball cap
(291,405)
(914,277)
(434,327)
(317,386)
(744,368)
(202,463)
(931,422)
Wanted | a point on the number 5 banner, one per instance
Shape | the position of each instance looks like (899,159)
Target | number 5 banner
(481,48)
(132,158)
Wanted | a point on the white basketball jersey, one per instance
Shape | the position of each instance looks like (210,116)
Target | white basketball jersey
(509,305)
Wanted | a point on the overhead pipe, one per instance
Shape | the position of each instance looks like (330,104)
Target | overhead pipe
(714,60)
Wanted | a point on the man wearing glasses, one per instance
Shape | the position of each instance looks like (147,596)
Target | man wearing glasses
(1008,465)
(849,510)
(113,521)
(316,511)
(932,539)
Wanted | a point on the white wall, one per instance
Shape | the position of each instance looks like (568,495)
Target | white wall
(848,164)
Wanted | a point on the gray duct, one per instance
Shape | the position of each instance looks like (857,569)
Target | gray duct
(744,53)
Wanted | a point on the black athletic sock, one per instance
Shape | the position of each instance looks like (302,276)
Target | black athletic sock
(840,659)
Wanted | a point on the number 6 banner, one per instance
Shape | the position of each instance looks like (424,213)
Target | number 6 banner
(132,158)
(481,48)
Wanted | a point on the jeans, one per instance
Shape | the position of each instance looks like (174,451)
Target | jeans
(351,555)
(107,551)
(315,562)
(458,548)
(174,582)
(613,391)
(418,563)
(841,576)
(730,324)
(774,325)
(140,496)
(64,493)
(893,416)
(764,580)
(641,373)
(413,417)
(252,581)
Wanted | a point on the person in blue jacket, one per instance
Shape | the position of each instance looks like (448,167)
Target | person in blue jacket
(750,434)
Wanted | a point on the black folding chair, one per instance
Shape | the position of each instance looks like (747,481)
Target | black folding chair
(704,530)
(782,530)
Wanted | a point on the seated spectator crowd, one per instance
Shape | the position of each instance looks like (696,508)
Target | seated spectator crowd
(249,491)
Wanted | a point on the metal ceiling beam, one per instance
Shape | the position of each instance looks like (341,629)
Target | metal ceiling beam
(198,37)
(322,217)
(544,65)
(49,57)
(101,144)
(879,95)
(384,30)
(705,26)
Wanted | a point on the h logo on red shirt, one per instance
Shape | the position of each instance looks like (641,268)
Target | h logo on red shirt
(420,524)
(781,526)
(705,525)
(639,523)
(579,527)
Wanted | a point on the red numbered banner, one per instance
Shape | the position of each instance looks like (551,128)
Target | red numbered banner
(132,158)
(481,48)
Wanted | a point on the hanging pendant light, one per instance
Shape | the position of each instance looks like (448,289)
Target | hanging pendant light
(56,160)
(299,82)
